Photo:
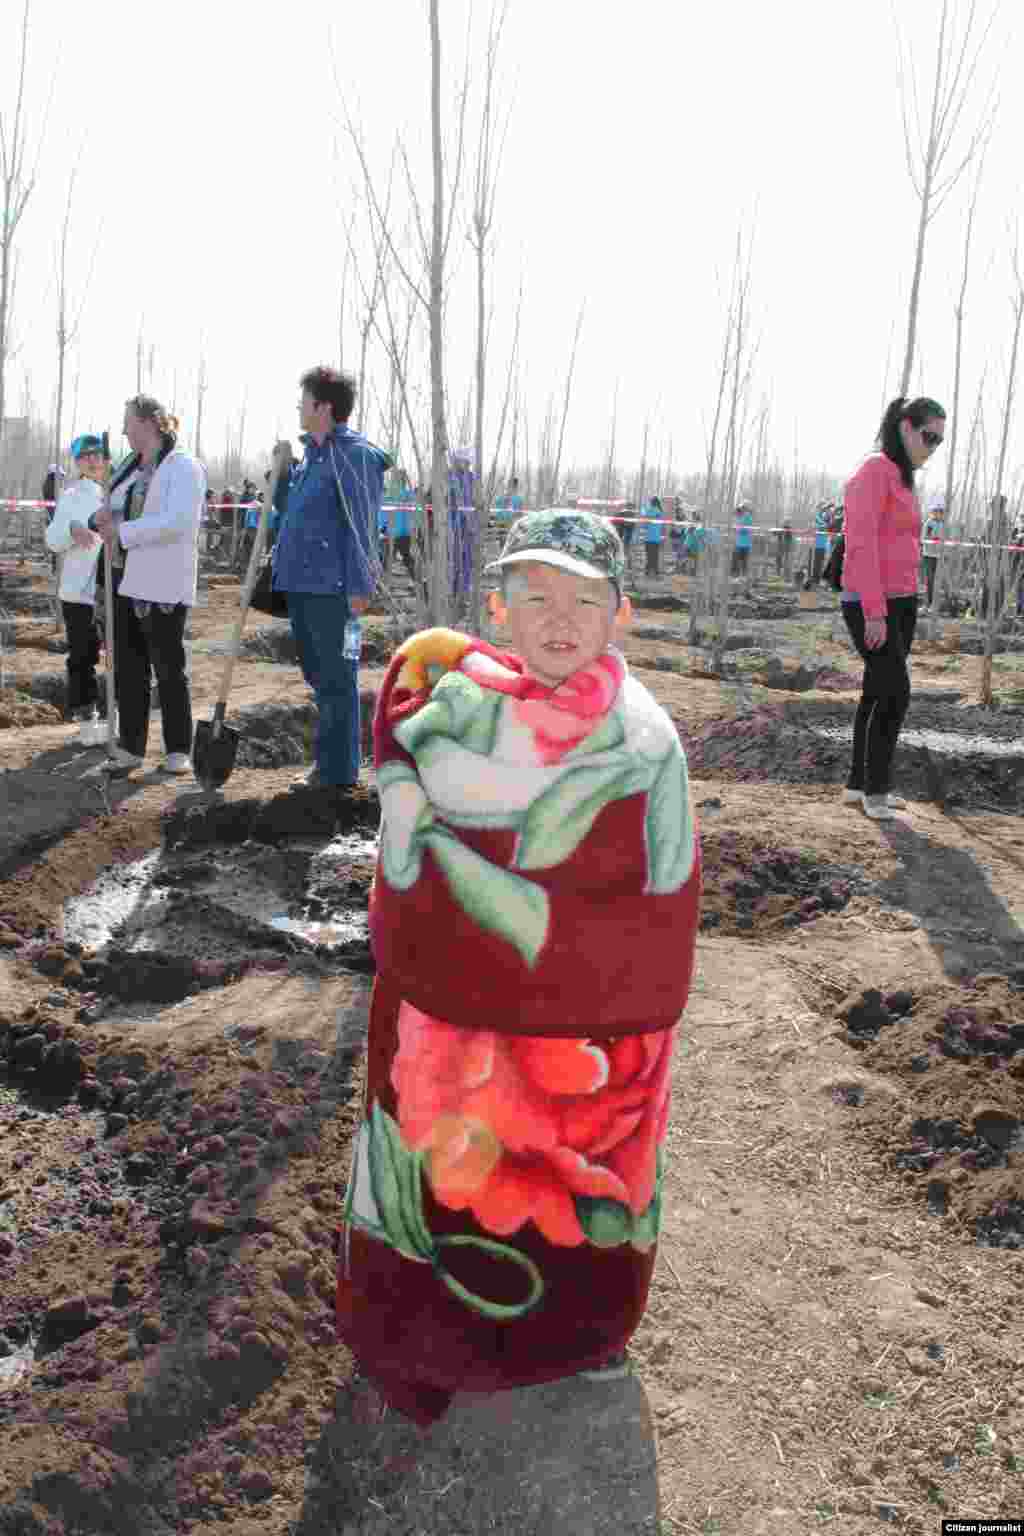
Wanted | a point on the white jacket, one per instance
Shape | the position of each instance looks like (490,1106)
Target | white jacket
(161,545)
(78,568)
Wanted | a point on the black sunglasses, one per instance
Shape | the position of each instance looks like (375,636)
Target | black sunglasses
(933,439)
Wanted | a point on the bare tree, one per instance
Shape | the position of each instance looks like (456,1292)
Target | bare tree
(938,150)
(735,426)
(566,400)
(69,314)
(201,387)
(19,169)
(485,186)
(941,570)
(424,273)
(999,525)
(610,474)
(730,404)
(441,593)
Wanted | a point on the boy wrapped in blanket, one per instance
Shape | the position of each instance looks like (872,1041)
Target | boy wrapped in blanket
(533,919)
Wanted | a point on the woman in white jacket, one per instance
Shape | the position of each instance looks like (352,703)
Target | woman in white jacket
(152,532)
(68,535)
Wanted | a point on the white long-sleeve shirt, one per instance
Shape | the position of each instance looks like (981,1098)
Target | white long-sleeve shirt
(161,545)
(78,572)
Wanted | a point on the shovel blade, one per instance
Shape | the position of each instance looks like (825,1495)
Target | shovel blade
(213,756)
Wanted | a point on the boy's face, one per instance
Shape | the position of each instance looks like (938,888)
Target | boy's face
(556,621)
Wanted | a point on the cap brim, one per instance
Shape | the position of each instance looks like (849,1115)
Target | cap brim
(551,557)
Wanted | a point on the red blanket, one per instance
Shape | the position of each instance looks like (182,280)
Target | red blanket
(533,919)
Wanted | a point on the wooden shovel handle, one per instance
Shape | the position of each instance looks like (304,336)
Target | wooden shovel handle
(247,589)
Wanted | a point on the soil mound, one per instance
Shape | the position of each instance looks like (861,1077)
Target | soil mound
(953,1134)
(18,711)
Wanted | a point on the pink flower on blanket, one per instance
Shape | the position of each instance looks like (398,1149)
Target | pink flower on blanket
(514,1127)
(560,718)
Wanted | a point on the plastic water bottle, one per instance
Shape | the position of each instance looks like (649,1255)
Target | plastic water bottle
(352,643)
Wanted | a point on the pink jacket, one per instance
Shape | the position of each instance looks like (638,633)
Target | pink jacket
(882,525)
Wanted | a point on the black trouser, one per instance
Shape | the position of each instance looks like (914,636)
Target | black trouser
(740,561)
(818,564)
(245,545)
(83,654)
(885,694)
(653,565)
(402,545)
(149,637)
(931,565)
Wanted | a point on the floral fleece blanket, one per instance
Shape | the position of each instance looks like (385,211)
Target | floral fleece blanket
(533,919)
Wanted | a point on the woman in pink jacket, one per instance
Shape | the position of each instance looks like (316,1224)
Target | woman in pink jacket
(880,566)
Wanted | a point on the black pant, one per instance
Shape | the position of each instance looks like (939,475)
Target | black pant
(740,561)
(653,559)
(83,654)
(818,564)
(885,694)
(931,565)
(403,547)
(149,637)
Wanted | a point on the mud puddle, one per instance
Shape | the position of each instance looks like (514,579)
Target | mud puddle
(164,925)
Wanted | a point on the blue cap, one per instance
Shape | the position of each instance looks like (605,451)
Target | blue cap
(89,442)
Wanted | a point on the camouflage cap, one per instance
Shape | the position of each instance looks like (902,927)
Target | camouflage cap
(576,541)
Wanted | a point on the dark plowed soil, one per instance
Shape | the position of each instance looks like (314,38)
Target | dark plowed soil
(953,1132)
(754,890)
(957,758)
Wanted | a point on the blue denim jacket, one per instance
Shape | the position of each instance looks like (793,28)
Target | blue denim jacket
(318,549)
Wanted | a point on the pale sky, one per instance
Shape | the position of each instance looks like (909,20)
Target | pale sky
(215,171)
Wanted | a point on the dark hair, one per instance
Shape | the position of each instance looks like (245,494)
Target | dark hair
(890,439)
(329,387)
(149,409)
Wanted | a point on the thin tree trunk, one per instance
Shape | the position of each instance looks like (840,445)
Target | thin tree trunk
(440,595)
(996,558)
(915,284)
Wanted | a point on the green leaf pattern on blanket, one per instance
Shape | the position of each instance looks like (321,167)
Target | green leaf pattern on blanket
(500,901)
(560,818)
(609,1223)
(668,827)
(599,770)
(396,1186)
(460,709)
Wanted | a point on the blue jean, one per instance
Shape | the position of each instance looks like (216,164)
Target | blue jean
(318,624)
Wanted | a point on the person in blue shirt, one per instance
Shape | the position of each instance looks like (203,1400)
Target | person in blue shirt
(696,540)
(677,535)
(653,532)
(744,539)
(250,526)
(509,504)
(400,520)
(461,523)
(822,541)
(933,530)
(325,562)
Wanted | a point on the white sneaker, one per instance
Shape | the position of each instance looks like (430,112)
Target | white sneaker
(853,797)
(878,808)
(895,802)
(119,758)
(92,732)
(176,762)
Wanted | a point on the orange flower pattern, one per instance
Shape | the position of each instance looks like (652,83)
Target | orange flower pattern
(518,1129)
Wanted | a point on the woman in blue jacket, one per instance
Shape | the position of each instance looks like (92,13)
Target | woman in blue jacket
(326,562)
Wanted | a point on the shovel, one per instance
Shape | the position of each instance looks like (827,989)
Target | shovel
(108,639)
(215,745)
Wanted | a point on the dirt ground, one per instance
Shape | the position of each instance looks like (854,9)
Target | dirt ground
(833,1336)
